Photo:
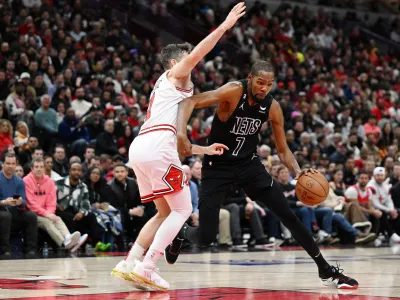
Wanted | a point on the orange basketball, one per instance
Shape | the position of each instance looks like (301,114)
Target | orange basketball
(312,189)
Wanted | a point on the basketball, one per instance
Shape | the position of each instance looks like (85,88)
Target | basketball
(312,189)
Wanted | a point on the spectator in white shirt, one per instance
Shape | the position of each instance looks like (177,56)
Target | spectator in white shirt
(80,105)
(382,200)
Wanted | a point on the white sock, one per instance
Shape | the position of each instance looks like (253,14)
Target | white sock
(135,253)
(152,257)
(181,208)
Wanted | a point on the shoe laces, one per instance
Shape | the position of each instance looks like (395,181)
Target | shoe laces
(338,272)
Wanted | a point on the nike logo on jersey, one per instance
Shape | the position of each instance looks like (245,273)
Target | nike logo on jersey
(262,110)
(246,126)
(242,106)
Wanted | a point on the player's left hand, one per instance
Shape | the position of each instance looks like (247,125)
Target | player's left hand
(216,149)
(306,172)
(184,145)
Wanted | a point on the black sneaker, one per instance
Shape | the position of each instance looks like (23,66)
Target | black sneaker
(172,251)
(335,277)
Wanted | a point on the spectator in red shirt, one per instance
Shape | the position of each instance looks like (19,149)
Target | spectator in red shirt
(372,128)
(6,134)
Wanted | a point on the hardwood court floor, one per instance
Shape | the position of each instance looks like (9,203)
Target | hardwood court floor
(277,275)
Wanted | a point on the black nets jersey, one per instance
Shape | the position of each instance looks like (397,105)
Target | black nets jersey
(240,131)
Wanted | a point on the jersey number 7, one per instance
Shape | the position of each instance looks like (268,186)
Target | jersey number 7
(239,146)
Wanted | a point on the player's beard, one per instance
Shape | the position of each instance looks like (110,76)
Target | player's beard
(253,96)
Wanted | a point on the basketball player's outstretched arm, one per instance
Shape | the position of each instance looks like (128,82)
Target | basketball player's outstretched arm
(225,93)
(286,156)
(185,66)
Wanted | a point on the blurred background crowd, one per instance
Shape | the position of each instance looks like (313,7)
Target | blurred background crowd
(75,81)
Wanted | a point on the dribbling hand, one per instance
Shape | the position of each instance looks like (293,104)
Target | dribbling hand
(216,149)
(184,145)
(237,11)
(306,172)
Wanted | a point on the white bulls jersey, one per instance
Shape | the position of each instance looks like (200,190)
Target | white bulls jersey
(163,107)
(153,153)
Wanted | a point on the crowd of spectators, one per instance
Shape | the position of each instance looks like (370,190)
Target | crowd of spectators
(74,91)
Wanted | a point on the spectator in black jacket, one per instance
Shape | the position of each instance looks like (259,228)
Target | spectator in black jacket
(60,165)
(126,198)
(106,142)
(99,191)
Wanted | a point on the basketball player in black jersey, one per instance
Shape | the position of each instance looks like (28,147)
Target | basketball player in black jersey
(243,106)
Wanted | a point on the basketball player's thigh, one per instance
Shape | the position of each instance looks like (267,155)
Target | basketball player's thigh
(212,194)
(144,183)
(254,179)
(167,177)
(162,206)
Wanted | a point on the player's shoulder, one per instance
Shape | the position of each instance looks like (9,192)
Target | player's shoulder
(234,86)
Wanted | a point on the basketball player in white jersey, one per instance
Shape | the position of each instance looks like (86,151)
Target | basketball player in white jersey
(154,157)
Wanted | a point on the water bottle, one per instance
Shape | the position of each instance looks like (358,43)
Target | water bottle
(45,250)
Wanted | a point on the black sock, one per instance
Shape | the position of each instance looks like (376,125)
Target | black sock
(323,266)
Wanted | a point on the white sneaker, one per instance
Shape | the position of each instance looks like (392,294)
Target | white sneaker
(394,239)
(81,241)
(148,277)
(377,243)
(277,242)
(123,269)
(71,239)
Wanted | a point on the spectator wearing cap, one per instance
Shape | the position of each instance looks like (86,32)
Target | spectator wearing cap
(80,106)
(382,200)
(106,142)
(30,92)
(93,89)
(109,113)
(73,132)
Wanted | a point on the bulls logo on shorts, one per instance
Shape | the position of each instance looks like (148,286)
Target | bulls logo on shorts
(174,178)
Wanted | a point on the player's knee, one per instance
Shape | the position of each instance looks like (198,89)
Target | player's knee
(180,203)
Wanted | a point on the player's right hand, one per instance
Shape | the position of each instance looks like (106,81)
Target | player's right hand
(237,11)
(184,145)
(216,149)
